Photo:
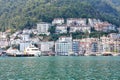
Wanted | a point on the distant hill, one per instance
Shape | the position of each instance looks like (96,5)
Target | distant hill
(20,14)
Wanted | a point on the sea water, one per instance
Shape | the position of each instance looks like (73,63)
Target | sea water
(60,68)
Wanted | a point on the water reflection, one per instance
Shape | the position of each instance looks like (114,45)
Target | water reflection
(60,68)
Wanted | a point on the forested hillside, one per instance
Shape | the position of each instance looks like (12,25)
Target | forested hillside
(19,14)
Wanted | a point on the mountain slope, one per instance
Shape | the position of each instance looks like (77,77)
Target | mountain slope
(19,14)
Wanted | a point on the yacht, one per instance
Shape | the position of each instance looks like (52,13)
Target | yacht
(32,50)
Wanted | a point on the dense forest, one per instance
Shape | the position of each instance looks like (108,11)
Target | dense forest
(20,14)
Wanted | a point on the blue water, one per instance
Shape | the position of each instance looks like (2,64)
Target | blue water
(60,68)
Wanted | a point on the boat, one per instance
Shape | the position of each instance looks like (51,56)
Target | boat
(98,54)
(107,54)
(11,52)
(32,50)
(86,54)
(116,54)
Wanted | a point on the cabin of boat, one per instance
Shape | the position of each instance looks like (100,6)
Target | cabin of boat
(32,50)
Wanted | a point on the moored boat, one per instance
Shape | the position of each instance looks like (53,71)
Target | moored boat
(32,50)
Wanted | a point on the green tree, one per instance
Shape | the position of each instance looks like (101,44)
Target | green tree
(52,30)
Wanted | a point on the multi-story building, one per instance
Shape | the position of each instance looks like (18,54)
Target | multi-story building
(46,46)
(76,21)
(61,29)
(94,47)
(63,46)
(80,28)
(43,28)
(24,45)
(92,22)
(58,21)
(110,44)
(118,29)
(4,42)
(105,27)
(76,46)
(89,45)
(24,37)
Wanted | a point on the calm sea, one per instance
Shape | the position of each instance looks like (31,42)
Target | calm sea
(60,68)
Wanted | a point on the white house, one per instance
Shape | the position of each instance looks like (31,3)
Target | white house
(80,28)
(46,46)
(76,21)
(43,28)
(58,21)
(61,29)
(24,45)
(24,37)
(92,22)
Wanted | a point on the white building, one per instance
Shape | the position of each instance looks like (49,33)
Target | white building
(15,42)
(105,27)
(92,22)
(80,28)
(24,37)
(24,45)
(63,46)
(118,30)
(61,29)
(27,31)
(4,42)
(43,28)
(76,21)
(58,21)
(46,46)
(114,36)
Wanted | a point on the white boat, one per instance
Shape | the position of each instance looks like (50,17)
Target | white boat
(86,54)
(116,54)
(32,50)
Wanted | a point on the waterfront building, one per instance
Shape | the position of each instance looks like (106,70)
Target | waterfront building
(76,46)
(63,46)
(94,47)
(89,45)
(24,45)
(58,21)
(43,28)
(46,47)
(110,44)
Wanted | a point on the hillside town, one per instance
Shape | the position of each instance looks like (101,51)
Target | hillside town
(29,40)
